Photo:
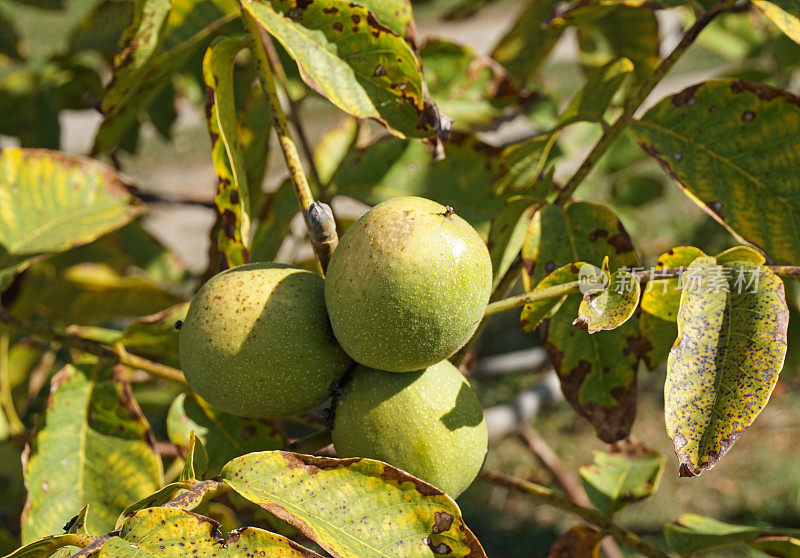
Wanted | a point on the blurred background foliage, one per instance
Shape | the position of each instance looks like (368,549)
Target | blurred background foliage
(504,78)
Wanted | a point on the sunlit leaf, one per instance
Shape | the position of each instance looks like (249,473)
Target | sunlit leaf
(726,360)
(233,193)
(534,312)
(732,146)
(356,62)
(156,336)
(94,447)
(622,476)
(783,13)
(359,507)
(176,532)
(591,102)
(50,202)
(611,307)
(662,297)
(223,435)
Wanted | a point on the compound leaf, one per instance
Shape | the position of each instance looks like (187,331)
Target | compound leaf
(354,507)
(730,349)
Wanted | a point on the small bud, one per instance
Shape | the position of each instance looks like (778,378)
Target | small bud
(320,222)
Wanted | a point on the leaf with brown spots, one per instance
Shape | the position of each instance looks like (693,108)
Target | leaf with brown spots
(172,532)
(158,43)
(223,435)
(581,540)
(732,329)
(662,297)
(354,507)
(733,147)
(597,372)
(611,307)
(355,61)
(85,199)
(628,473)
(534,312)
(94,447)
(233,191)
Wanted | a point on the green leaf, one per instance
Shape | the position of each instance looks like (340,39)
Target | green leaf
(526,45)
(175,532)
(534,312)
(600,39)
(196,463)
(353,60)
(473,90)
(523,167)
(156,336)
(592,101)
(662,297)
(331,150)
(223,435)
(597,372)
(94,447)
(507,235)
(279,209)
(397,15)
(101,29)
(783,13)
(611,307)
(623,476)
(740,254)
(50,202)
(730,349)
(46,546)
(696,533)
(354,507)
(391,167)
(233,192)
(733,148)
(159,41)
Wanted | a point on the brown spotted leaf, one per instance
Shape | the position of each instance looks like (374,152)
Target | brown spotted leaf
(94,447)
(611,307)
(224,436)
(354,507)
(662,297)
(362,66)
(732,328)
(534,312)
(233,192)
(597,372)
(581,540)
(172,532)
(734,148)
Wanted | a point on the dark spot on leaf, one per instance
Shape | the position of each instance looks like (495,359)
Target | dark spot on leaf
(234,197)
(550,267)
(248,432)
(716,207)
(380,71)
(331,10)
(356,18)
(748,116)
(442,522)
(686,97)
(338,26)
(440,548)
(597,233)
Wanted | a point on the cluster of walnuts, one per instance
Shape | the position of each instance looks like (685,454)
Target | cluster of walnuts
(406,288)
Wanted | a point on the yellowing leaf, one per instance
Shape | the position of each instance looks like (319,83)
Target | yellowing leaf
(611,307)
(734,148)
(783,13)
(662,297)
(354,507)
(94,447)
(172,532)
(50,202)
(726,360)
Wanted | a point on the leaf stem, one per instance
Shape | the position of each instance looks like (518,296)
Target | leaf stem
(323,245)
(15,425)
(633,104)
(116,352)
(533,296)
(544,494)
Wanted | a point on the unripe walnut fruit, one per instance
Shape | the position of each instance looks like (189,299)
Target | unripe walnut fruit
(257,342)
(428,423)
(408,285)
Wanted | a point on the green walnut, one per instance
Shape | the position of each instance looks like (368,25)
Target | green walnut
(408,285)
(428,423)
(257,342)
